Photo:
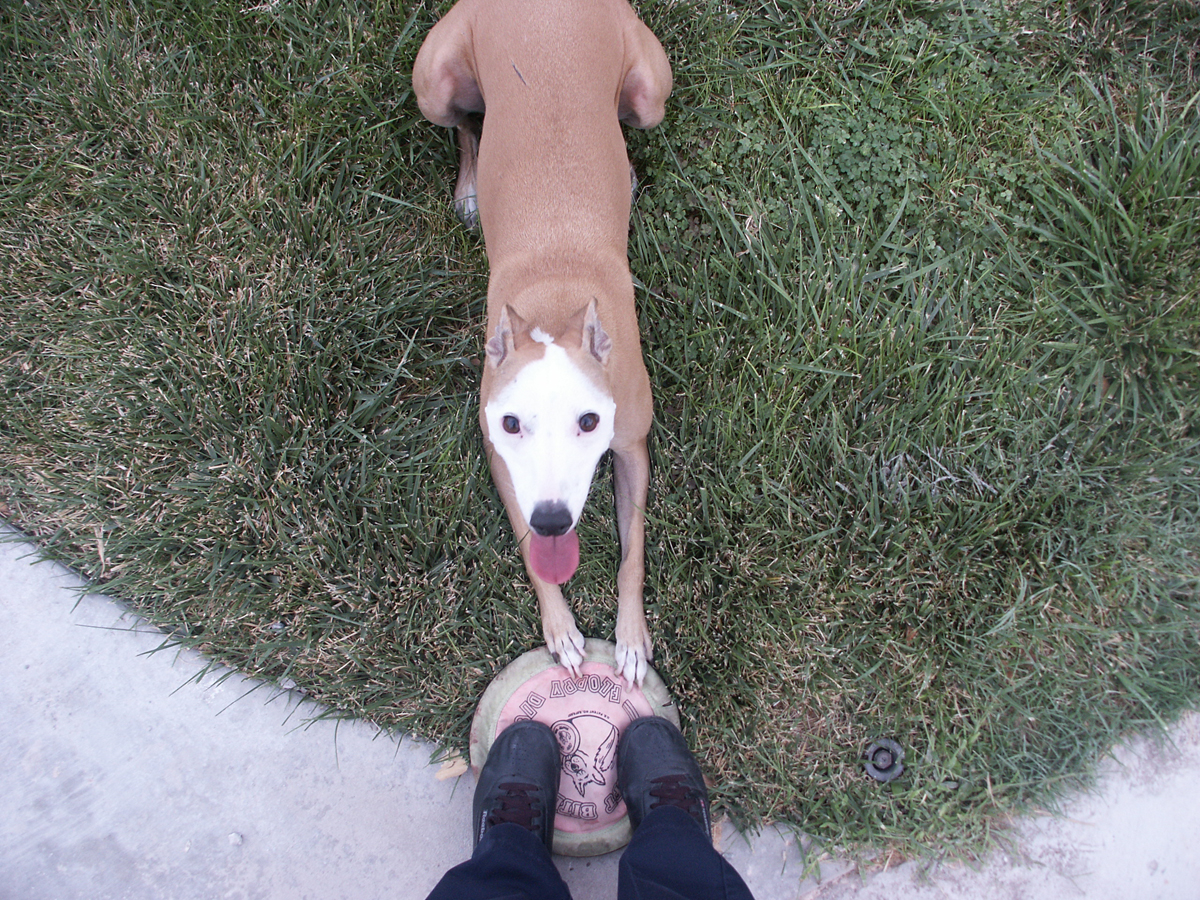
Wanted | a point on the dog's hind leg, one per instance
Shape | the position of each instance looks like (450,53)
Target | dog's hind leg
(647,81)
(465,205)
(448,94)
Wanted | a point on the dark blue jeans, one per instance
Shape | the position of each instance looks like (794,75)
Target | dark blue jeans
(669,858)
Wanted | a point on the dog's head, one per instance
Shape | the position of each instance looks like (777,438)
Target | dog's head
(550,417)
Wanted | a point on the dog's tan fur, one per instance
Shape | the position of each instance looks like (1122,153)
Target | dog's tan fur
(552,181)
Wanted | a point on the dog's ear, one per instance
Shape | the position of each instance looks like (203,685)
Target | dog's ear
(509,329)
(594,338)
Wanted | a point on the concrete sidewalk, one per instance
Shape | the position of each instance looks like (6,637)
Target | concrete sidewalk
(136,774)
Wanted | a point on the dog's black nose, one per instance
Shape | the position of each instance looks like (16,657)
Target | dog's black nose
(551,519)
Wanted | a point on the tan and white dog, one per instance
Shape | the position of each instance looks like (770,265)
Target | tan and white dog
(549,179)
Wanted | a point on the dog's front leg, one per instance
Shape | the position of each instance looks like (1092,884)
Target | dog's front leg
(631,483)
(563,639)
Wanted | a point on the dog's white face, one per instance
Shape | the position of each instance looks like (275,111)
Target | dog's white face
(550,424)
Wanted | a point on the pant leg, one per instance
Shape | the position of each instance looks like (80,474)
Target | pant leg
(510,863)
(670,858)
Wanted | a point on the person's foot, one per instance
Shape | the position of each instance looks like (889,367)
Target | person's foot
(519,782)
(655,768)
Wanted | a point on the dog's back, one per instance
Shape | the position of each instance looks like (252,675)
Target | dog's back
(552,132)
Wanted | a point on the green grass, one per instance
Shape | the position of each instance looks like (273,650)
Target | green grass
(920,290)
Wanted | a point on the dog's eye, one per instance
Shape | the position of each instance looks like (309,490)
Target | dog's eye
(511,424)
(589,421)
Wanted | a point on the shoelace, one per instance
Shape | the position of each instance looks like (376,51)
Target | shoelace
(671,790)
(517,805)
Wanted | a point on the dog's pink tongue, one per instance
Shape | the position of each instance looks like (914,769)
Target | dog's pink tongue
(554,559)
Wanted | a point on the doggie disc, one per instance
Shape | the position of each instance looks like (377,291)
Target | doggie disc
(587,714)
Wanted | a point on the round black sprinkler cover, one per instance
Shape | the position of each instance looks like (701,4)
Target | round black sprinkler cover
(885,760)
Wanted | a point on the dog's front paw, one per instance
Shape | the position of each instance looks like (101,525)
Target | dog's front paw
(633,654)
(567,648)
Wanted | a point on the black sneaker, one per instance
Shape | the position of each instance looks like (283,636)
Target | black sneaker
(519,782)
(655,768)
